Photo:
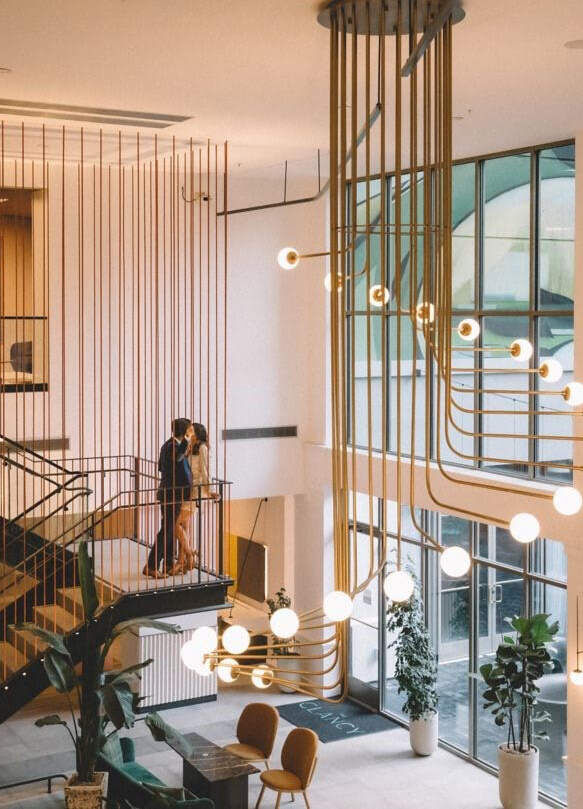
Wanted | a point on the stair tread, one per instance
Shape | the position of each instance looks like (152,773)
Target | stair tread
(11,657)
(54,616)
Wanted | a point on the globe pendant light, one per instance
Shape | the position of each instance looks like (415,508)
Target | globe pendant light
(424,313)
(378,295)
(573,394)
(399,585)
(524,527)
(567,500)
(284,623)
(288,258)
(227,670)
(203,642)
(328,282)
(468,329)
(236,639)
(550,370)
(262,676)
(521,350)
(455,562)
(337,606)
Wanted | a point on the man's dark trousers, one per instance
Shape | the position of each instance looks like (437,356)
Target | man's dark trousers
(163,547)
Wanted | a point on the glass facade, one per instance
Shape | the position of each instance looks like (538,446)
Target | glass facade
(513,269)
(466,617)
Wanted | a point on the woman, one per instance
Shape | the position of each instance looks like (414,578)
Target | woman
(198,456)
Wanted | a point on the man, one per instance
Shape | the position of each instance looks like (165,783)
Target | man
(175,486)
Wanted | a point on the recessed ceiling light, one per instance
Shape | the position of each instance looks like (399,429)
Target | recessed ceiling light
(574,44)
(4,199)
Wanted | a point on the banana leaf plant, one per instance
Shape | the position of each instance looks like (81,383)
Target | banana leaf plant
(101,698)
(511,690)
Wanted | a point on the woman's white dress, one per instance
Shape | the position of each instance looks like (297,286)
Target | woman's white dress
(199,466)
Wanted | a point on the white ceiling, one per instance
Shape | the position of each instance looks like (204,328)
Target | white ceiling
(256,71)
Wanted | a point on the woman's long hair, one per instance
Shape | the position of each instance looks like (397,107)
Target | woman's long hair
(201,435)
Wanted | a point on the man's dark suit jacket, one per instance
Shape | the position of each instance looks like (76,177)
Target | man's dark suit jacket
(173,465)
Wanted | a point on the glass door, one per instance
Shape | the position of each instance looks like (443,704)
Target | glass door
(364,624)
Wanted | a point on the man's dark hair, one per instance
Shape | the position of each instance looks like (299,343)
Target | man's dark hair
(179,427)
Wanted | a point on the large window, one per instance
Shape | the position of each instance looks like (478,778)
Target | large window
(466,618)
(513,270)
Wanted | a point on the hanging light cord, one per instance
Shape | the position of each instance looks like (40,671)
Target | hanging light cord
(249,541)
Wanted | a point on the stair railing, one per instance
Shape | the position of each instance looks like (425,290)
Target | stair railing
(120,531)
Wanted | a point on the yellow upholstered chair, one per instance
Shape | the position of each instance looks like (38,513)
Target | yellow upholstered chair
(298,761)
(256,731)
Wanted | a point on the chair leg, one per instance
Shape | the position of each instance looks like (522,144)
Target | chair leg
(293,797)
(306,800)
(266,763)
(260,796)
(278,800)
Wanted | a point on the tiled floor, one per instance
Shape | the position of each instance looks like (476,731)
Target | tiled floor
(377,771)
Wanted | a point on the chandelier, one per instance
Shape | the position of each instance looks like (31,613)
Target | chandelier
(390,261)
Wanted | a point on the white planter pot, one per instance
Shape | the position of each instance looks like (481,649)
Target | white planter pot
(518,778)
(423,734)
(287,666)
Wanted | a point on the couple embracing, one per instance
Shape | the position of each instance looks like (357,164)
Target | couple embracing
(184,478)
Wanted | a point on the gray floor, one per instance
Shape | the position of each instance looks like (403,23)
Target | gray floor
(377,771)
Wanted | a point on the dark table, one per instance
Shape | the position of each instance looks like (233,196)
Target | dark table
(211,772)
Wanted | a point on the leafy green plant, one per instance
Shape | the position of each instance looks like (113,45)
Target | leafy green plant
(415,660)
(280,601)
(101,698)
(511,692)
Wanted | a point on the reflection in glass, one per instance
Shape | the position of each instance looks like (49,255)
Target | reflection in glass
(556,171)
(507,232)
(463,236)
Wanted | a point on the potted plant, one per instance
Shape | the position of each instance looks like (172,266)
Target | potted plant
(511,696)
(101,698)
(415,673)
(283,648)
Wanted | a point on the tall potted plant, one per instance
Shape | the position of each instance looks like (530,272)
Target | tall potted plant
(100,699)
(511,696)
(282,647)
(415,673)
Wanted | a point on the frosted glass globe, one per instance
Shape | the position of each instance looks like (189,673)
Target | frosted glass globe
(576,677)
(191,654)
(337,606)
(399,585)
(328,282)
(203,642)
(378,295)
(425,313)
(567,500)
(455,562)
(521,350)
(261,676)
(524,527)
(227,670)
(236,639)
(288,258)
(468,329)
(574,394)
(550,370)
(284,623)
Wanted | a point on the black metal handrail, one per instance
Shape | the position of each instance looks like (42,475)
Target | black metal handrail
(89,519)
(48,778)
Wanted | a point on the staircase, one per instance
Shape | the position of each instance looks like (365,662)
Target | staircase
(39,573)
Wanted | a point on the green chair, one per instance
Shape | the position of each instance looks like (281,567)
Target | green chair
(133,783)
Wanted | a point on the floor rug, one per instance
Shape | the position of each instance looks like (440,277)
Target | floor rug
(334,722)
